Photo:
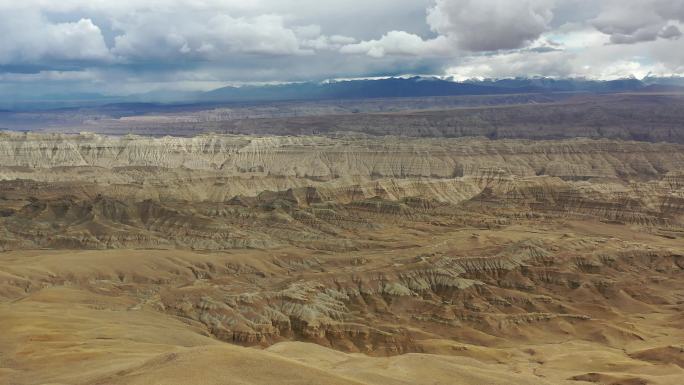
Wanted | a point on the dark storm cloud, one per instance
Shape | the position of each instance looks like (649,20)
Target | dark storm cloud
(634,21)
(488,25)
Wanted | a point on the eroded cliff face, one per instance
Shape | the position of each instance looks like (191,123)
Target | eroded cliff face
(219,192)
(332,158)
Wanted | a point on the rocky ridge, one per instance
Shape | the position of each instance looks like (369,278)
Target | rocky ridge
(218,192)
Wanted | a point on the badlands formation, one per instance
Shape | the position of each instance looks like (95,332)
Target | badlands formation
(340,259)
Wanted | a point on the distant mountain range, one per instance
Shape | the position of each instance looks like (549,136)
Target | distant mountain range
(414,87)
(354,89)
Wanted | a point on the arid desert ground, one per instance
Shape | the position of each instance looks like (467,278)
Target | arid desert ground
(357,255)
(341,192)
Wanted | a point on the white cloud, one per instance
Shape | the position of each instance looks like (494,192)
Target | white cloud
(578,37)
(593,62)
(81,40)
(400,43)
(210,36)
(29,38)
(514,64)
(133,44)
(204,37)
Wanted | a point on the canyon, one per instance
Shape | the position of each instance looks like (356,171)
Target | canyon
(341,258)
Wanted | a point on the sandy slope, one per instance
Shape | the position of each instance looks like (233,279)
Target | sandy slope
(84,331)
(66,336)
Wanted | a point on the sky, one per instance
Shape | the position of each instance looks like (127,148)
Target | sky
(136,46)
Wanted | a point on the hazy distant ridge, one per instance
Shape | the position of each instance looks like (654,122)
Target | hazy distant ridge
(352,89)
